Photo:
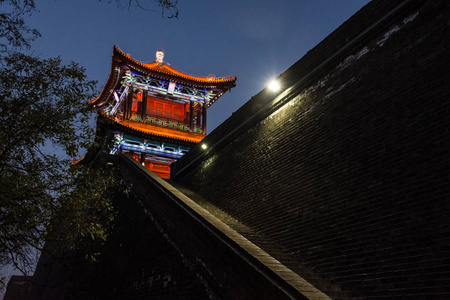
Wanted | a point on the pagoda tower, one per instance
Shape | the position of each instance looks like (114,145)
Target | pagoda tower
(155,112)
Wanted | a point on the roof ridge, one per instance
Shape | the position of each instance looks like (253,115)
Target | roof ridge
(171,70)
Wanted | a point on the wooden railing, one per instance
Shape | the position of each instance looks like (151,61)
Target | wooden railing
(166,122)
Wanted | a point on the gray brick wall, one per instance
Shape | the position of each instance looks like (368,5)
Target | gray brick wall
(226,270)
(350,171)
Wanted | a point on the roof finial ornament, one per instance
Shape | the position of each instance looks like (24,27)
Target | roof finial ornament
(159,57)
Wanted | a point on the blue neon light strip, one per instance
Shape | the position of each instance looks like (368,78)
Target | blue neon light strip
(152,151)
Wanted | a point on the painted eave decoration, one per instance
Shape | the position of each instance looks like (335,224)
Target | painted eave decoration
(144,130)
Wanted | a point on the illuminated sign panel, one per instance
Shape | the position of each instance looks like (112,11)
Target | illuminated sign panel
(171,88)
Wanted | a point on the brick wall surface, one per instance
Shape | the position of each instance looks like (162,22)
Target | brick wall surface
(225,271)
(139,262)
(349,171)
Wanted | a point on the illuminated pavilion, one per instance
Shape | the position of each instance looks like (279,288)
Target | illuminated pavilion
(155,112)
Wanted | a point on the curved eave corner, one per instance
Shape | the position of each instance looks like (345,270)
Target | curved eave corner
(75,162)
(90,156)
(109,83)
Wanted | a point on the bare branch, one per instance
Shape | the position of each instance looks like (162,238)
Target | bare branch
(168,7)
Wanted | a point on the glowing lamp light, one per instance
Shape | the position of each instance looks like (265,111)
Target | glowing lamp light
(204,146)
(274,85)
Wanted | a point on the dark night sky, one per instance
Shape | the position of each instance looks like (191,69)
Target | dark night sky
(254,40)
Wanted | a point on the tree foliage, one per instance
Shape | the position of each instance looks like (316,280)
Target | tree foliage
(13,30)
(43,123)
(82,222)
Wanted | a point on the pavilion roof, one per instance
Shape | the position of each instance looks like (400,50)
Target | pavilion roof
(165,69)
(160,70)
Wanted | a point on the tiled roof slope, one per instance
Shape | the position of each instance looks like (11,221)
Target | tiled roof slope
(163,70)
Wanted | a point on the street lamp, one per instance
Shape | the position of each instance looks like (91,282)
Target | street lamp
(274,85)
